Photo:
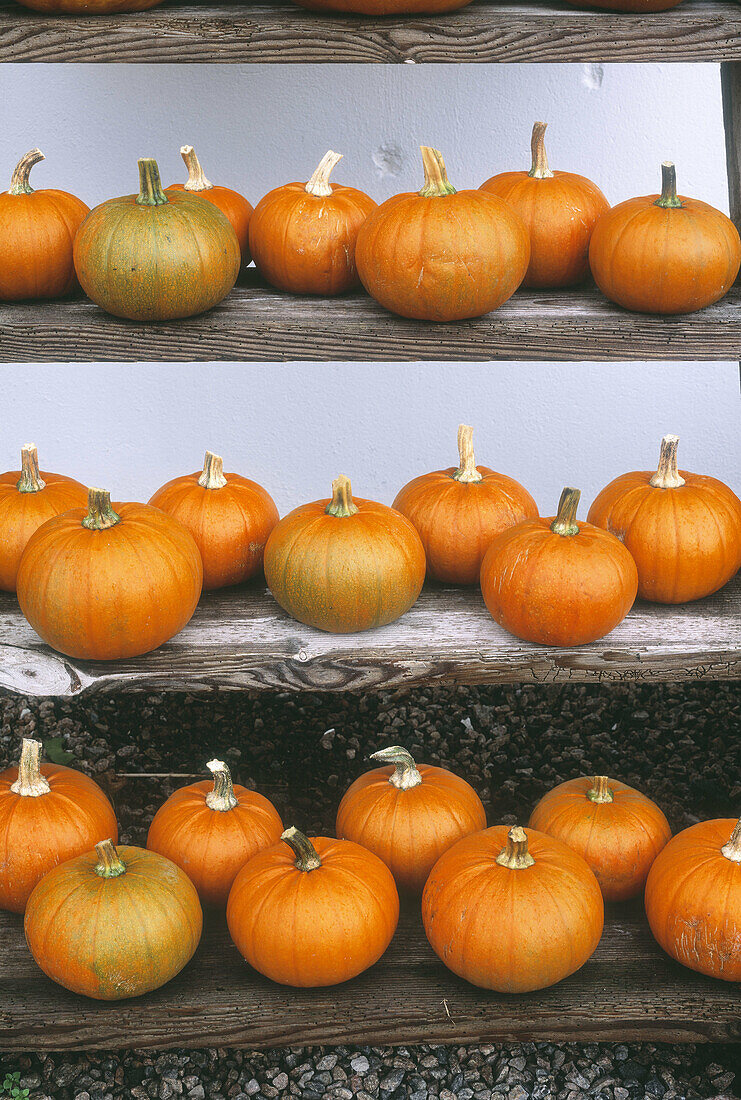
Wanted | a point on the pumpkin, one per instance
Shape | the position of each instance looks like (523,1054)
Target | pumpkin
(457,512)
(558,582)
(231,203)
(442,254)
(559,211)
(229,516)
(683,529)
(211,830)
(29,498)
(512,910)
(48,814)
(313,912)
(302,235)
(664,253)
(693,898)
(615,828)
(114,923)
(37,229)
(156,256)
(109,582)
(344,565)
(408,814)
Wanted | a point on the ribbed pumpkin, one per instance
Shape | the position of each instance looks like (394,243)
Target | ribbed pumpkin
(302,235)
(229,516)
(156,256)
(111,582)
(693,898)
(210,830)
(112,924)
(313,912)
(558,582)
(615,828)
(512,910)
(559,211)
(37,229)
(48,814)
(682,529)
(344,565)
(409,814)
(457,512)
(235,206)
(665,253)
(29,498)
(441,254)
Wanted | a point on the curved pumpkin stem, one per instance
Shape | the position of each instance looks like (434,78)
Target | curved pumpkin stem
(436,182)
(110,864)
(600,792)
(19,182)
(539,169)
(307,858)
(319,184)
(732,850)
(30,782)
(515,855)
(668,199)
(667,475)
(196,180)
(30,480)
(406,775)
(100,514)
(222,797)
(150,184)
(341,504)
(466,472)
(212,476)
(565,521)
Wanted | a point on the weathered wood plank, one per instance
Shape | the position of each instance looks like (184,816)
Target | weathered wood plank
(730,75)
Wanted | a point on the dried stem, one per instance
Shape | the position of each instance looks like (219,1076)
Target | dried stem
(319,184)
(212,475)
(30,480)
(341,504)
(515,855)
(30,782)
(667,475)
(406,775)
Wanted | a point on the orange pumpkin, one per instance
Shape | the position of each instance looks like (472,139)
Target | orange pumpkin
(211,830)
(665,253)
(231,203)
(559,211)
(442,254)
(229,516)
(344,565)
(29,498)
(457,512)
(682,529)
(313,912)
(558,582)
(615,828)
(110,582)
(693,898)
(37,229)
(512,910)
(48,814)
(409,814)
(112,924)
(303,235)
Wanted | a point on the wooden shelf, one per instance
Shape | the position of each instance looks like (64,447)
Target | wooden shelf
(240,639)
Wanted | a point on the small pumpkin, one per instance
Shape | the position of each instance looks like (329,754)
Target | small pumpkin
(302,235)
(408,814)
(665,253)
(682,529)
(114,923)
(156,256)
(229,516)
(312,912)
(558,582)
(457,512)
(48,814)
(693,898)
(441,254)
(210,830)
(512,910)
(37,229)
(235,206)
(29,498)
(109,582)
(344,565)
(559,211)
(615,828)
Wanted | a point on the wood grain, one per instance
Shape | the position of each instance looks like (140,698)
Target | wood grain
(730,75)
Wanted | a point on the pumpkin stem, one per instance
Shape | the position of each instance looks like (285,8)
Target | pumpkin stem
(196,180)
(539,169)
(30,782)
(668,199)
(19,183)
(565,521)
(212,476)
(30,480)
(341,504)
(600,792)
(100,513)
(222,797)
(110,864)
(150,184)
(406,775)
(436,178)
(732,850)
(319,184)
(668,476)
(307,858)
(466,472)
(515,855)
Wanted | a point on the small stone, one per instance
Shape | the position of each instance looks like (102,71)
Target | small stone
(391,1081)
(360,1064)
(197,1093)
(281,1081)
(252,1087)
(517,1093)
